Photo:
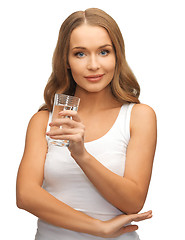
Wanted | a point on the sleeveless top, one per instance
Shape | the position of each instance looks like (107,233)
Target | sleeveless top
(65,180)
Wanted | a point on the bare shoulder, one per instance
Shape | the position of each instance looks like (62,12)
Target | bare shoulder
(143,110)
(143,116)
(41,116)
(37,127)
(39,120)
(36,134)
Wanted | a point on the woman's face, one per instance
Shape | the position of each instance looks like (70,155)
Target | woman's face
(91,57)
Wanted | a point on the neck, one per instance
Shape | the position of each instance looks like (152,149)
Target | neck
(96,101)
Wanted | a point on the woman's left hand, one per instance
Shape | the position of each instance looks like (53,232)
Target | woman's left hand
(72,129)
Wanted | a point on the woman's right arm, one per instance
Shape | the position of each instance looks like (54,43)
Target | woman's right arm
(34,199)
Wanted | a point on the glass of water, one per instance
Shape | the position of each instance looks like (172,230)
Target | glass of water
(62,102)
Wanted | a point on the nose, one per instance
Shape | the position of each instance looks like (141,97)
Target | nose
(93,63)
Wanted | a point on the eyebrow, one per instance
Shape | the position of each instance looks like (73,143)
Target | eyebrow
(105,45)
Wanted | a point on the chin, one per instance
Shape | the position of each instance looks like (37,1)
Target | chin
(95,88)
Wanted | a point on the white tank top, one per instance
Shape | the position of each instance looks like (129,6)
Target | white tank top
(64,179)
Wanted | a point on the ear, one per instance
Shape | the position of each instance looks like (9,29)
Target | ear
(68,66)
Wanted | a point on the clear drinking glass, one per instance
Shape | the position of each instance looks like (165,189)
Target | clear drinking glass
(62,102)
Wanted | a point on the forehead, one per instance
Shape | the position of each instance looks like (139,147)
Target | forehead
(88,36)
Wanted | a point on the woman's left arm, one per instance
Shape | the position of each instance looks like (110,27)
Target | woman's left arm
(127,193)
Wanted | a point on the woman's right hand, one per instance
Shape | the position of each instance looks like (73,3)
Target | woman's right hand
(116,226)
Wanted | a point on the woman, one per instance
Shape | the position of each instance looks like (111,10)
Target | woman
(94,188)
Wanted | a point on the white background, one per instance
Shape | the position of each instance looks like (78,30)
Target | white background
(154,38)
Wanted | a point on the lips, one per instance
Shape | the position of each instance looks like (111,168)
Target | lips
(94,78)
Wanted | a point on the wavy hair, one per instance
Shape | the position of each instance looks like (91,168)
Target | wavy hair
(124,85)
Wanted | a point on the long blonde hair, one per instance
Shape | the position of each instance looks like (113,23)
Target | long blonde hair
(124,84)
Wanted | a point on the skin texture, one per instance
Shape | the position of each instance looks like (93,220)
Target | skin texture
(89,57)
(92,67)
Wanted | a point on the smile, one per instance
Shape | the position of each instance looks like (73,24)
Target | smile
(94,78)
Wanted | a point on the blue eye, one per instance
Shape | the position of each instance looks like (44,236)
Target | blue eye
(104,52)
(79,54)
